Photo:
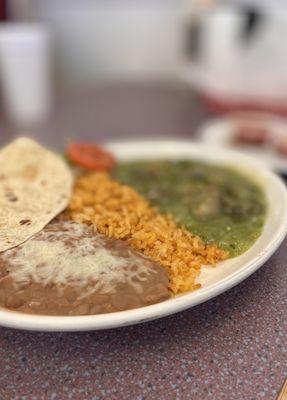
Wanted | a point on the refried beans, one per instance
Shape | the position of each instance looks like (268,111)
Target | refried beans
(68,269)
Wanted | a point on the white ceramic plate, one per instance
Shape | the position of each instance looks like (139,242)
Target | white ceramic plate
(214,280)
(219,131)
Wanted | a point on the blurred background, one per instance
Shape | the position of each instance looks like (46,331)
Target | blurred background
(109,69)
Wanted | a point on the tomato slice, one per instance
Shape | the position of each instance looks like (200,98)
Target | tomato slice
(90,156)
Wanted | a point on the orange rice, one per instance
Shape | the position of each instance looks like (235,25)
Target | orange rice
(118,211)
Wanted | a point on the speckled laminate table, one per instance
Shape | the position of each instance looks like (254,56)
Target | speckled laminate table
(231,348)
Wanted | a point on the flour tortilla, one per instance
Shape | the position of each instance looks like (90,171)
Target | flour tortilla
(35,186)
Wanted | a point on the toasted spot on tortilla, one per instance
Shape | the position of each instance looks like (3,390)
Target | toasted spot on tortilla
(25,221)
(11,197)
(30,172)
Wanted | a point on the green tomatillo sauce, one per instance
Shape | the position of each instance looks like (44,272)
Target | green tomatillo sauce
(216,203)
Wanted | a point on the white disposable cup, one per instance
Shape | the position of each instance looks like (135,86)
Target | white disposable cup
(25,72)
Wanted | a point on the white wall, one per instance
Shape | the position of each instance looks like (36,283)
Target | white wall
(111,39)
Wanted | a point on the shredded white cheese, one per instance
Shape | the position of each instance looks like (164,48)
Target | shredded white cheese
(71,256)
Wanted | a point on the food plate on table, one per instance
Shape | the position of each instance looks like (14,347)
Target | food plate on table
(155,228)
(263,136)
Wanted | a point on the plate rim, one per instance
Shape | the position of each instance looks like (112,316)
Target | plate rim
(14,319)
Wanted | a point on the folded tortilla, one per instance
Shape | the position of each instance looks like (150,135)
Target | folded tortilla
(35,186)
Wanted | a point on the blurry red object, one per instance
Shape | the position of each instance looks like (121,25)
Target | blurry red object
(3,10)
(250,133)
(221,106)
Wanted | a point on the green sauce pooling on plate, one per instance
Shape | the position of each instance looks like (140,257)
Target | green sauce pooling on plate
(216,203)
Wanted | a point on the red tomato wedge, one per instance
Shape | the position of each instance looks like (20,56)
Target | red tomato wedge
(90,156)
